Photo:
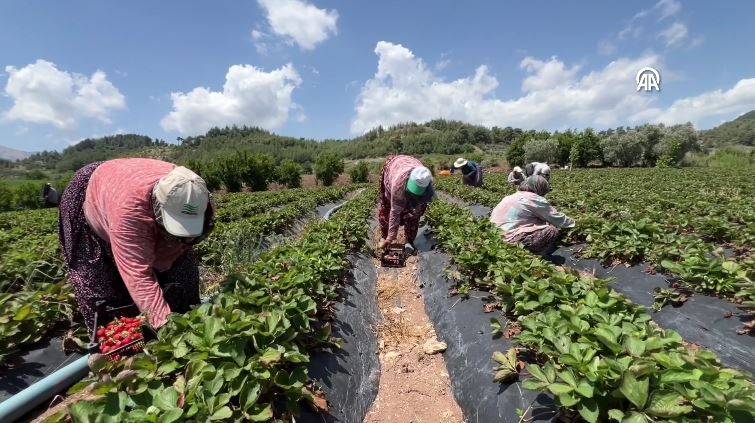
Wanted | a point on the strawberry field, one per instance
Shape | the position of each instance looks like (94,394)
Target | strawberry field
(695,225)
(553,335)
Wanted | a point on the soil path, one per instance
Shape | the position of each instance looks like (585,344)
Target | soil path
(414,386)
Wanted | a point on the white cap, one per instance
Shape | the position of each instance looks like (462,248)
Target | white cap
(419,179)
(460,162)
(183,197)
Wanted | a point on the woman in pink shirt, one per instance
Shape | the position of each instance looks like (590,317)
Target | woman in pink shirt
(127,227)
(527,218)
(406,188)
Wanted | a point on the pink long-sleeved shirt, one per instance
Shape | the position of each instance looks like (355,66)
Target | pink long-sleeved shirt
(395,177)
(118,207)
(524,212)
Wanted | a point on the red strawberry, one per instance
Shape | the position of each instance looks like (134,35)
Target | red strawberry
(105,349)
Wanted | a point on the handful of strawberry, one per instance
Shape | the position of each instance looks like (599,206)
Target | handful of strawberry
(122,336)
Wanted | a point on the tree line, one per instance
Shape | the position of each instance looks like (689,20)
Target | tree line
(647,145)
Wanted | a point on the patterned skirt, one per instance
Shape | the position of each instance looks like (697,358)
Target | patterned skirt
(92,270)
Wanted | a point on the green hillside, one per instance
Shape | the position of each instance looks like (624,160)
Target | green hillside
(740,131)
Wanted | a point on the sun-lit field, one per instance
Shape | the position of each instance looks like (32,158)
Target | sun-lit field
(244,353)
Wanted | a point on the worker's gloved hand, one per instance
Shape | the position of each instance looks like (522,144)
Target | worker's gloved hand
(384,243)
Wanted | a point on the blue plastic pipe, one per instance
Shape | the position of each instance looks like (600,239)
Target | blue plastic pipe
(18,405)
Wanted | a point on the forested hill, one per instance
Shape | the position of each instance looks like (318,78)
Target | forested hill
(738,131)
(434,137)
(93,150)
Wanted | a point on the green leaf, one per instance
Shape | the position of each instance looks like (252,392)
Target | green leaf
(249,395)
(180,350)
(634,346)
(674,376)
(222,414)
(560,388)
(585,389)
(22,312)
(270,356)
(635,417)
(589,411)
(171,415)
(538,373)
(667,405)
(166,400)
(261,414)
(84,411)
(615,414)
(636,391)
(608,339)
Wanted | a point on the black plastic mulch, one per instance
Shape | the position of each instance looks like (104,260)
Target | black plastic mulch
(350,376)
(465,328)
(701,320)
(32,365)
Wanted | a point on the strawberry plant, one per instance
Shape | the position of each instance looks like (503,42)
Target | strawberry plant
(242,356)
(603,357)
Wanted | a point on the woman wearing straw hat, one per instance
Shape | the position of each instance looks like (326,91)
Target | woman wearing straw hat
(471,172)
(127,228)
(406,188)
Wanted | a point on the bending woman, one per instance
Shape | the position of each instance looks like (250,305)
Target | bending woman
(406,188)
(527,218)
(127,227)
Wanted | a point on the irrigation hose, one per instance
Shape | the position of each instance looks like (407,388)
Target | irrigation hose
(21,403)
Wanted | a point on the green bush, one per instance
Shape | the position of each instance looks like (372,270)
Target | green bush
(586,148)
(623,149)
(541,151)
(359,172)
(29,195)
(229,173)
(256,170)
(515,153)
(289,174)
(327,168)
(6,197)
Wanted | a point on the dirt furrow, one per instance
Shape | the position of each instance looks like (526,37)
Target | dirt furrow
(414,382)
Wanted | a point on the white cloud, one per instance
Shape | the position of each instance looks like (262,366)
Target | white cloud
(556,96)
(44,94)
(675,35)
(300,22)
(545,75)
(250,96)
(703,108)
(667,8)
(663,9)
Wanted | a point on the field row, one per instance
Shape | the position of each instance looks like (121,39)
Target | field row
(597,353)
(35,298)
(243,356)
(623,231)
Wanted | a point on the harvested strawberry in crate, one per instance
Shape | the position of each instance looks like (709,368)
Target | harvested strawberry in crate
(121,338)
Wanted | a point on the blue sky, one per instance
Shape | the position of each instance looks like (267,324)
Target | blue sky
(328,69)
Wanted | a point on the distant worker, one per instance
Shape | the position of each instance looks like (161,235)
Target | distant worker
(527,218)
(406,188)
(471,172)
(517,175)
(50,196)
(127,227)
